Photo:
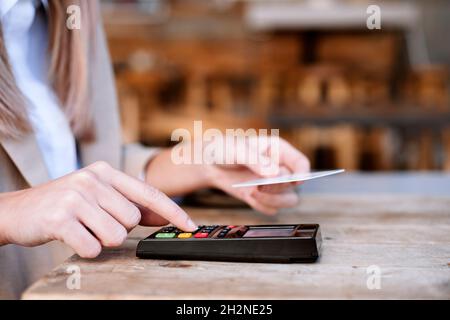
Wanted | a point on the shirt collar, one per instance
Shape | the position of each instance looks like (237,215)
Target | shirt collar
(6,5)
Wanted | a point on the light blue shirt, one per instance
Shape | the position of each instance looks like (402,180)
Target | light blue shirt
(25,36)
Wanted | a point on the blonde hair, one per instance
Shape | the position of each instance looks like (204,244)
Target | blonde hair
(69,52)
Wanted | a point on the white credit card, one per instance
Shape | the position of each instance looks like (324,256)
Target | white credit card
(295,177)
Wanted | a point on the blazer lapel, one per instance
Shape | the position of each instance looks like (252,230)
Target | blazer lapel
(25,153)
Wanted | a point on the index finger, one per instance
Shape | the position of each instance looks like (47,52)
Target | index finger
(144,195)
(292,158)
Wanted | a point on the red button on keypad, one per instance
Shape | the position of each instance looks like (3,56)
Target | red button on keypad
(201,235)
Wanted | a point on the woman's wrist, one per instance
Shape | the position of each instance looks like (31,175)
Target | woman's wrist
(177,179)
(4,218)
(210,174)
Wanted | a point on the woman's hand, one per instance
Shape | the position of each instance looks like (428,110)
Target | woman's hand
(266,199)
(88,209)
(179,179)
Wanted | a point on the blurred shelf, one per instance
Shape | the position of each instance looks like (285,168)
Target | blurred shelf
(276,15)
(159,19)
(144,13)
(362,116)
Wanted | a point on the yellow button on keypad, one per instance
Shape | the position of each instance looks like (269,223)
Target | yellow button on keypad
(185,235)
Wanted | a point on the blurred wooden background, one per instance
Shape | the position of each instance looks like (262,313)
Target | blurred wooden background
(347,97)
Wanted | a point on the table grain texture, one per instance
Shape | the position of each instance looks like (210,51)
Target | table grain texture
(406,237)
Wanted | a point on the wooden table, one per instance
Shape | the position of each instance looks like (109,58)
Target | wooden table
(407,238)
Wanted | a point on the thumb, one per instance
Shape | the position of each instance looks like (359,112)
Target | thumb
(265,167)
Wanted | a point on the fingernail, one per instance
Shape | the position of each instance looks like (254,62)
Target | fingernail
(191,224)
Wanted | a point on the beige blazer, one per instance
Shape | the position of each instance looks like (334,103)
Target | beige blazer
(22,166)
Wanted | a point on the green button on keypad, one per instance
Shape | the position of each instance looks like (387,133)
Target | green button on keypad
(165,235)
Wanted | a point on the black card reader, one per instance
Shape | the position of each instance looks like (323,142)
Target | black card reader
(284,243)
